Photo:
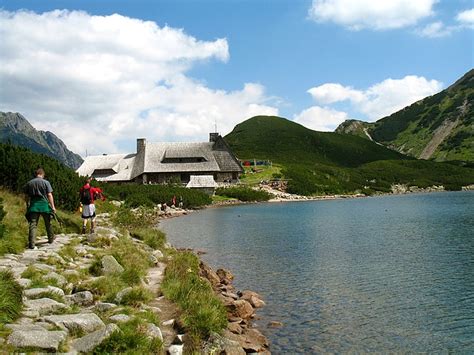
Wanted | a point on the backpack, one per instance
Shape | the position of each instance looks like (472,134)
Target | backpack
(86,198)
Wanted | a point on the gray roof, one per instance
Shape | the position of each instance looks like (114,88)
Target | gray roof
(162,158)
(201,181)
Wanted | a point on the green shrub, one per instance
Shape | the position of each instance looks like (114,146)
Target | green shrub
(202,311)
(244,193)
(10,298)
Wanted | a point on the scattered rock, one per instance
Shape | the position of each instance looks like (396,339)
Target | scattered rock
(73,273)
(225,276)
(44,267)
(235,327)
(84,298)
(90,341)
(241,309)
(104,306)
(38,339)
(153,331)
(110,265)
(168,322)
(275,324)
(218,344)
(157,254)
(25,327)
(120,318)
(175,349)
(121,294)
(209,274)
(253,298)
(44,306)
(83,322)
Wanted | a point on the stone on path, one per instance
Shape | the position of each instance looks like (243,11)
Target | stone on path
(44,306)
(110,265)
(84,322)
(25,327)
(36,292)
(104,306)
(25,283)
(90,341)
(84,298)
(120,318)
(60,279)
(38,339)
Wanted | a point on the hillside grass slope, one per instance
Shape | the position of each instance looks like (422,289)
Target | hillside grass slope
(332,163)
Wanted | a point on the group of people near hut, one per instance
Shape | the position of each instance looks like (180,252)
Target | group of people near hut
(40,203)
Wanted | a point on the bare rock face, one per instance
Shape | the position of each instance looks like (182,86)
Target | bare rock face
(38,339)
(241,309)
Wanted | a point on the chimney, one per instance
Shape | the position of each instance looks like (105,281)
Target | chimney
(213,137)
(141,143)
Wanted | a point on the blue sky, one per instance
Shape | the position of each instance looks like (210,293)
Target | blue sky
(316,62)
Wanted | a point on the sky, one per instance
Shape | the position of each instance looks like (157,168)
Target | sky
(100,74)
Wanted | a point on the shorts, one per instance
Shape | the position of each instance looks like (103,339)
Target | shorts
(88,211)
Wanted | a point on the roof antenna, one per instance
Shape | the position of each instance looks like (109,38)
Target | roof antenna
(215,126)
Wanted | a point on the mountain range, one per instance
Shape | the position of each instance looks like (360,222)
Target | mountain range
(439,127)
(16,129)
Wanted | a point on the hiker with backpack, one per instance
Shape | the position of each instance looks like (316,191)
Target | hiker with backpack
(39,202)
(88,195)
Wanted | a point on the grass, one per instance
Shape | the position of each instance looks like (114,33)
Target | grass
(253,176)
(202,311)
(10,298)
(152,237)
(131,339)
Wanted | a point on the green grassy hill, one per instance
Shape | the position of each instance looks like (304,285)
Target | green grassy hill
(439,127)
(321,162)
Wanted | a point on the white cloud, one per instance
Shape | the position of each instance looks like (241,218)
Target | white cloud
(321,118)
(333,92)
(371,14)
(436,30)
(97,81)
(380,99)
(466,18)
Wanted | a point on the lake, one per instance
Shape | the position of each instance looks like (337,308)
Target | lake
(390,273)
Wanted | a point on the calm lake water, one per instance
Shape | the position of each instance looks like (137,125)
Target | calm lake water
(393,273)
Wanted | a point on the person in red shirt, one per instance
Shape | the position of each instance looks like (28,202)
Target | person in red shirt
(88,194)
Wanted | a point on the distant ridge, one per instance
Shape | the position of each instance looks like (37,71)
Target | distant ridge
(439,127)
(16,129)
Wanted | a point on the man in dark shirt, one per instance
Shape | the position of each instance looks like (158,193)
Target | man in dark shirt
(40,202)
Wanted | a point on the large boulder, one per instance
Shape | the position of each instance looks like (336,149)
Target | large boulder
(110,265)
(37,339)
(90,341)
(82,322)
